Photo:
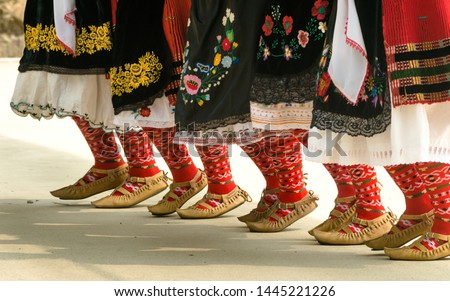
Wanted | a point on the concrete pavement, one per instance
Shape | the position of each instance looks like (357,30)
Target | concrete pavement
(42,238)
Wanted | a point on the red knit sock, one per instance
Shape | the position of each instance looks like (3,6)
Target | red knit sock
(218,170)
(416,197)
(437,180)
(342,178)
(176,156)
(258,153)
(103,146)
(368,204)
(286,153)
(301,135)
(140,158)
(344,186)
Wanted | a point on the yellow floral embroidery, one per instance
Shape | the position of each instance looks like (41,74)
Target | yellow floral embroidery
(89,40)
(125,79)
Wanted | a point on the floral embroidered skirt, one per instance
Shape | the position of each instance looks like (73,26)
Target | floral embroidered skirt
(147,61)
(213,103)
(51,81)
(290,44)
(373,130)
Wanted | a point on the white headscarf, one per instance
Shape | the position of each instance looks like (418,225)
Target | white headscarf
(348,64)
(65,24)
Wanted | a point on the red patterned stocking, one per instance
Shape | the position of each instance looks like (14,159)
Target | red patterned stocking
(437,180)
(286,153)
(368,204)
(140,158)
(103,146)
(218,170)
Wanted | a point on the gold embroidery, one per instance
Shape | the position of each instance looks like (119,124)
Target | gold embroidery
(89,40)
(131,76)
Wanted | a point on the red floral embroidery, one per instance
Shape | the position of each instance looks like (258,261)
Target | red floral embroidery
(303,38)
(268,26)
(226,44)
(287,24)
(320,9)
(145,112)
(324,84)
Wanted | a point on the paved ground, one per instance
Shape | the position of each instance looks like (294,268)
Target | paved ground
(41,239)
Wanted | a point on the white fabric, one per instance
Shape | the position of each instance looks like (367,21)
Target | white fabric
(162,115)
(418,133)
(348,63)
(282,116)
(42,94)
(65,24)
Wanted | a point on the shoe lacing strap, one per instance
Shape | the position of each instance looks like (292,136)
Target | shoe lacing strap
(447,220)
(418,243)
(174,185)
(347,199)
(141,180)
(82,182)
(146,180)
(270,191)
(190,183)
(107,172)
(308,199)
(423,217)
(305,178)
(437,236)
(374,210)
(231,194)
(391,218)
(261,204)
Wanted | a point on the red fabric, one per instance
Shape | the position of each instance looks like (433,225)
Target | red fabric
(368,204)
(258,153)
(413,187)
(139,154)
(342,179)
(286,153)
(175,19)
(415,21)
(301,135)
(416,35)
(103,145)
(217,168)
(175,155)
(113,11)
(437,180)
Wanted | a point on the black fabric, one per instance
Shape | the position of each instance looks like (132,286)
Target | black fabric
(226,100)
(302,57)
(286,69)
(139,30)
(371,115)
(89,13)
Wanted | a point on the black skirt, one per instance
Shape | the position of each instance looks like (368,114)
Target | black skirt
(290,46)
(142,61)
(220,58)
(43,52)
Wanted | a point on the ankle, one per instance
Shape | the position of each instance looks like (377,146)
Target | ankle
(185,174)
(292,197)
(441,226)
(369,213)
(109,165)
(221,188)
(144,171)
(343,204)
